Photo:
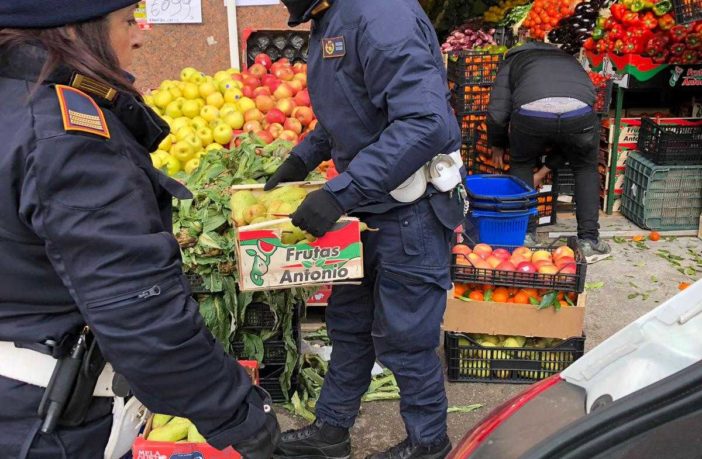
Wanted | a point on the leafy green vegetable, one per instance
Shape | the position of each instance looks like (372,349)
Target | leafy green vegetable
(464,408)
(594,285)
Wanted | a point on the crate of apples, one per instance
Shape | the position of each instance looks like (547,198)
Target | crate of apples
(554,268)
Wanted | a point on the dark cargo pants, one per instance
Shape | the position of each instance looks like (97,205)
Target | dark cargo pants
(394,316)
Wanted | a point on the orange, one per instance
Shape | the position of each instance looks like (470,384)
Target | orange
(654,236)
(564,303)
(572,296)
(476,295)
(500,296)
(637,238)
(459,289)
(521,298)
(560,296)
(683,285)
(531,292)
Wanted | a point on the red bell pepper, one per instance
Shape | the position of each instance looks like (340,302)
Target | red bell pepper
(666,22)
(618,10)
(589,44)
(616,32)
(694,40)
(678,33)
(655,45)
(610,23)
(697,26)
(631,19)
(618,47)
(660,57)
(677,49)
(689,56)
(602,46)
(649,20)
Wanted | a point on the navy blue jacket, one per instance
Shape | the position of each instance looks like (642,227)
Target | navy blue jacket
(380,96)
(85,237)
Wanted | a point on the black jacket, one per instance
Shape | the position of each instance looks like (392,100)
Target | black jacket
(531,72)
(85,237)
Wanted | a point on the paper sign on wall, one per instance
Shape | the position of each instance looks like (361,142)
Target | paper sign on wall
(174,11)
(256,2)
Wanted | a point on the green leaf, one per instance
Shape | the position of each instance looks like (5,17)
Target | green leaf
(631,296)
(594,285)
(568,300)
(690,271)
(464,408)
(534,301)
(488,295)
(548,301)
(619,239)
(214,222)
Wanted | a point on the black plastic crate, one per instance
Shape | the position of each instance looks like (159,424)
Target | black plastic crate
(668,144)
(546,207)
(269,380)
(468,361)
(274,350)
(566,181)
(468,274)
(687,11)
(471,99)
(291,44)
(472,67)
(197,284)
(259,316)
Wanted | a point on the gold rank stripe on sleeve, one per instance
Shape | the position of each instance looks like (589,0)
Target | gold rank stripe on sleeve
(80,112)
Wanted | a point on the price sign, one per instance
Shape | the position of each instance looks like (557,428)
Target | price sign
(174,11)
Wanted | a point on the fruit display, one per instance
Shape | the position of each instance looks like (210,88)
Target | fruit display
(497,13)
(482,356)
(647,28)
(571,32)
(206,112)
(546,14)
(542,298)
(171,429)
(554,268)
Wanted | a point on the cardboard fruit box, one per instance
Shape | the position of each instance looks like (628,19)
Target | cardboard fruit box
(147,449)
(511,319)
(266,263)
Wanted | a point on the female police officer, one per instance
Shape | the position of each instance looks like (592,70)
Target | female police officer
(378,88)
(85,238)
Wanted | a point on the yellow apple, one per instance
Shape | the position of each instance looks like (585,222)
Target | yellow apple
(235,120)
(190,108)
(194,143)
(190,91)
(198,123)
(246,104)
(209,113)
(213,146)
(226,110)
(206,88)
(172,165)
(183,133)
(162,99)
(182,151)
(222,134)
(205,135)
(197,78)
(173,110)
(222,75)
(179,123)
(191,165)
(175,91)
(186,73)
(166,143)
(232,95)
(215,99)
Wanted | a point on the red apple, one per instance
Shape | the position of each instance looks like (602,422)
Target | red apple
(502,254)
(570,268)
(295,85)
(262,91)
(299,67)
(250,80)
(284,91)
(264,59)
(506,266)
(252,126)
(275,129)
(258,70)
(284,73)
(547,269)
(264,103)
(563,251)
(523,252)
(493,261)
(303,114)
(482,250)
(265,136)
(238,77)
(302,78)
(526,267)
(302,98)
(290,136)
(292,124)
(248,91)
(312,125)
(541,255)
(286,106)
(275,116)
(563,261)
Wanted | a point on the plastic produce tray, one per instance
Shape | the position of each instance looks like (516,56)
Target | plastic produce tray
(566,181)
(470,99)
(472,67)
(671,144)
(259,316)
(687,11)
(603,98)
(562,282)
(291,44)
(661,197)
(467,361)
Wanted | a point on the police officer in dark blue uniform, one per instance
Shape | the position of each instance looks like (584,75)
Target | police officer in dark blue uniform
(85,238)
(378,87)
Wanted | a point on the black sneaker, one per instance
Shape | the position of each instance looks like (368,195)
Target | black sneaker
(315,441)
(594,250)
(406,450)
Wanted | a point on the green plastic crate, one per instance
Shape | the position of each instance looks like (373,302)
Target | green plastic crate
(662,197)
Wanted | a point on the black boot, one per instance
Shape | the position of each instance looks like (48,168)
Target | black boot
(406,450)
(315,441)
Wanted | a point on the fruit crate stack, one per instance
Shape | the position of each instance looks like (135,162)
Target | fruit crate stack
(517,314)
(662,197)
(671,144)
(471,76)
(260,320)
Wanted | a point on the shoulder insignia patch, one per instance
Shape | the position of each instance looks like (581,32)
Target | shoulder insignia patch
(80,112)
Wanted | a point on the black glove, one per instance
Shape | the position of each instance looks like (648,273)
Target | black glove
(263,443)
(293,169)
(317,213)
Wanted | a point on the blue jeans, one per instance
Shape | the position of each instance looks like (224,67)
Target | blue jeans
(395,316)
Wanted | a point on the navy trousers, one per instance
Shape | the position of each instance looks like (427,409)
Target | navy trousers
(395,316)
(19,427)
